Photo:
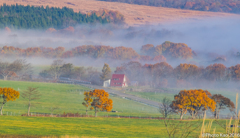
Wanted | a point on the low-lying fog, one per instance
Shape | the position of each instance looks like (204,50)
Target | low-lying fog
(210,38)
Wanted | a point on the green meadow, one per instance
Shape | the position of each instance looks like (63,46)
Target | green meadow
(68,98)
(97,127)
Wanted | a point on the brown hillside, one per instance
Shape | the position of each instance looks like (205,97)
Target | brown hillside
(134,14)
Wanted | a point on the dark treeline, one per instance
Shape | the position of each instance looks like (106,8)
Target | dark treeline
(184,75)
(20,16)
(148,52)
(232,6)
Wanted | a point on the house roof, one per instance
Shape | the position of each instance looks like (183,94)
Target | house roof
(117,80)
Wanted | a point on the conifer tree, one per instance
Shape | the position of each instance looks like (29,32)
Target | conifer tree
(106,72)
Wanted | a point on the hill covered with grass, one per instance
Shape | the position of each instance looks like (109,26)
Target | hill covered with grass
(231,6)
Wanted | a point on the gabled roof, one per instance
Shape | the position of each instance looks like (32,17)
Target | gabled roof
(117,80)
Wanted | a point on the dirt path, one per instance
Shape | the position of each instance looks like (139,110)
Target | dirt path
(127,96)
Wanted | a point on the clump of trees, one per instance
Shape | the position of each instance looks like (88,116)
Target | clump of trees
(67,70)
(231,6)
(111,16)
(168,49)
(18,69)
(99,101)
(195,102)
(30,17)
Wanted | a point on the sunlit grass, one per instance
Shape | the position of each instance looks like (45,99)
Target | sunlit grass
(69,98)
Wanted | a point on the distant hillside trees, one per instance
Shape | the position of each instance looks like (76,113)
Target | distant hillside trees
(159,74)
(148,52)
(168,49)
(30,17)
(232,6)
(19,69)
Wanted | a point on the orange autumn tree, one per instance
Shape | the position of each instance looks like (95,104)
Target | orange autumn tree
(101,101)
(7,94)
(193,101)
(87,100)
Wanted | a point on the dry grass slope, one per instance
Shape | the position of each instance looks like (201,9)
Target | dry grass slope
(134,14)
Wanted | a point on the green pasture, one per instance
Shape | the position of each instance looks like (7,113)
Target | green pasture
(68,98)
(97,127)
(158,96)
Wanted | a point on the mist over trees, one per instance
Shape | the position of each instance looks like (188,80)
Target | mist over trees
(231,6)
(167,50)
(184,75)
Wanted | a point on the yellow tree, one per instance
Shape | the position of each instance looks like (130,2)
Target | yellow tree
(193,101)
(101,101)
(87,100)
(8,94)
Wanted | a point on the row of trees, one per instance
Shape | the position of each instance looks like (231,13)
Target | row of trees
(232,6)
(160,73)
(98,99)
(196,102)
(9,94)
(67,70)
(148,52)
(19,69)
(28,17)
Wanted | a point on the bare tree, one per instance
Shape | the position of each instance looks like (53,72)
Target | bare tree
(30,95)
(21,68)
(165,107)
(56,68)
(180,128)
(6,70)
(52,109)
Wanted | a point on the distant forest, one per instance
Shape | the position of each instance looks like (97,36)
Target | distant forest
(148,52)
(232,6)
(30,17)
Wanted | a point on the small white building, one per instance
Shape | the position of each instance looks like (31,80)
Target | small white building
(106,83)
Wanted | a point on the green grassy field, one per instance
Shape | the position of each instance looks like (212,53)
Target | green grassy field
(157,96)
(68,98)
(97,127)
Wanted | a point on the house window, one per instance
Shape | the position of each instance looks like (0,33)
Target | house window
(115,78)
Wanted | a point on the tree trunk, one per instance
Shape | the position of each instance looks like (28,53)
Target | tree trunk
(5,77)
(1,108)
(216,114)
(192,114)
(29,105)
(86,111)
(95,112)
(181,116)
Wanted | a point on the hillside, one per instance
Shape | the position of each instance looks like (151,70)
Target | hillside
(134,14)
(231,6)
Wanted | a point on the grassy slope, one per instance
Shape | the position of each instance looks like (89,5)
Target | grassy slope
(134,14)
(68,98)
(231,94)
(99,127)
